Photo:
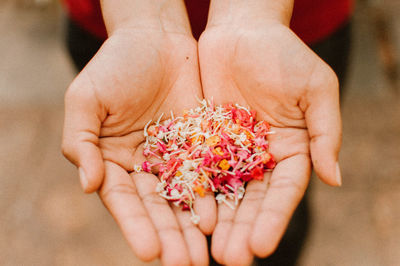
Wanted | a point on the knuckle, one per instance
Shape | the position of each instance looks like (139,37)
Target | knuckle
(226,221)
(296,187)
(71,92)
(79,89)
(255,195)
(169,229)
(324,78)
(153,198)
(118,189)
(330,78)
(276,215)
(67,151)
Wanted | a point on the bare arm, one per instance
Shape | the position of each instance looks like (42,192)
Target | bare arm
(146,67)
(249,55)
(166,15)
(253,11)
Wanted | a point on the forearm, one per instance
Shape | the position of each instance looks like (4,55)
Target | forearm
(163,15)
(251,11)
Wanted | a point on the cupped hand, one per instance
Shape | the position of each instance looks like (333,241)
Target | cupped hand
(137,75)
(268,68)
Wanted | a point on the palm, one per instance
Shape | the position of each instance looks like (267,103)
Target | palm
(272,72)
(135,77)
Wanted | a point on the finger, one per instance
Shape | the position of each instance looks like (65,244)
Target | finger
(324,126)
(222,230)
(119,195)
(173,246)
(206,208)
(196,242)
(238,247)
(288,183)
(83,116)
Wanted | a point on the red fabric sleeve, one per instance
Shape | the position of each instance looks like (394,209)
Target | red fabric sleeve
(315,20)
(312,20)
(87,14)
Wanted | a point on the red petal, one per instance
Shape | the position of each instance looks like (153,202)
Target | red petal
(257,173)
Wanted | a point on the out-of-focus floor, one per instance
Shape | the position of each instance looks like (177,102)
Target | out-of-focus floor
(47,220)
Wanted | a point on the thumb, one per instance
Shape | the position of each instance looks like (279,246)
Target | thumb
(82,122)
(324,125)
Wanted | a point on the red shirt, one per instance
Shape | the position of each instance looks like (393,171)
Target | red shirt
(312,20)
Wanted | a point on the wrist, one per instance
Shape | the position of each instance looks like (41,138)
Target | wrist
(159,15)
(250,12)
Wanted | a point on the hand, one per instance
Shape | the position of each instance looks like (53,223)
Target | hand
(265,66)
(138,74)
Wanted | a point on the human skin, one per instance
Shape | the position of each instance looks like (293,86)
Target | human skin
(147,66)
(248,55)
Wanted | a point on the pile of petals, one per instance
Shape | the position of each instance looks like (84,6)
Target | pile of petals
(209,148)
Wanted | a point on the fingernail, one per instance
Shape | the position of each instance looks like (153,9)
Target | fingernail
(82,176)
(338,175)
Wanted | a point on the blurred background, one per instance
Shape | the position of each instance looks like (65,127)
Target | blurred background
(47,220)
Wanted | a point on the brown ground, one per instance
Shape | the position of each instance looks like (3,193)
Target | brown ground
(47,220)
